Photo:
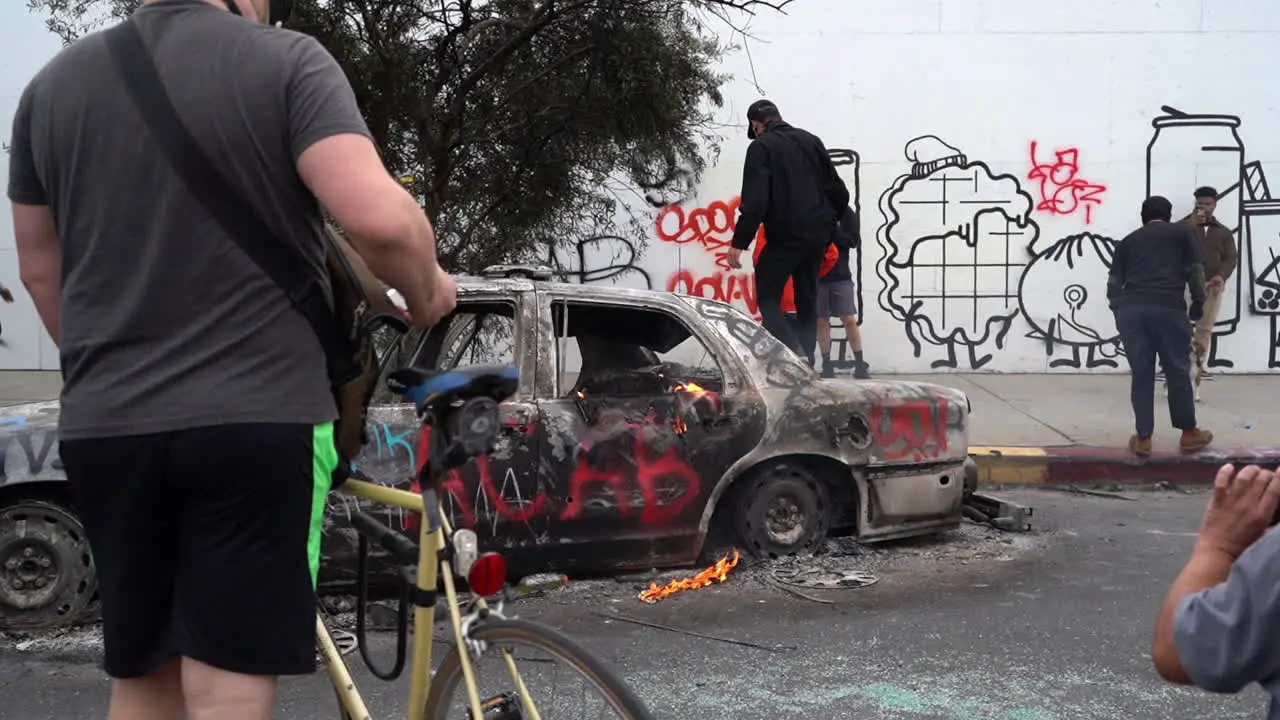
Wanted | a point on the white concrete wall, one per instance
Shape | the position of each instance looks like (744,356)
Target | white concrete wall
(963,93)
(25,46)
(958,92)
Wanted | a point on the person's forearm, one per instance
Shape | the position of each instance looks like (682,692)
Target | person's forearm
(46,294)
(1206,568)
(406,261)
(1195,281)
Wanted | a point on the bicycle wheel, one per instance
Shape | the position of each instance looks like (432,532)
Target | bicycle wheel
(447,697)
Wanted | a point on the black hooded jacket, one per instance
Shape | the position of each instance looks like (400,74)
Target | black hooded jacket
(791,186)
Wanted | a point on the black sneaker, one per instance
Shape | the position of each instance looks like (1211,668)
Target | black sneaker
(828,370)
(860,371)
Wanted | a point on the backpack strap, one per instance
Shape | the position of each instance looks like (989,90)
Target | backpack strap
(238,218)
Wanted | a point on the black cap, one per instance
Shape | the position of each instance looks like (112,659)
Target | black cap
(758,111)
(1156,208)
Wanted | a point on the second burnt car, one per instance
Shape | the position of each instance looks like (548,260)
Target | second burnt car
(643,421)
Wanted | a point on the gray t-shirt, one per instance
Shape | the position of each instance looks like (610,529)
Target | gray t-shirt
(1228,636)
(166,323)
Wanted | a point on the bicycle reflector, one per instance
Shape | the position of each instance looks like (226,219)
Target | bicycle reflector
(488,575)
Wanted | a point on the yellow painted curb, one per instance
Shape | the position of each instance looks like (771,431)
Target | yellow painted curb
(1010,465)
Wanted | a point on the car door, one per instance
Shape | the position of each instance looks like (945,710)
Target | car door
(631,417)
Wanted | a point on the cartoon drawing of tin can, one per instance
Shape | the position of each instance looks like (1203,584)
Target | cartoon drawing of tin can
(1189,151)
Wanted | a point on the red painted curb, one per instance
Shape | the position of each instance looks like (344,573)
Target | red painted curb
(1089,465)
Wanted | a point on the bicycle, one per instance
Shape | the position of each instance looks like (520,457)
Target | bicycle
(459,408)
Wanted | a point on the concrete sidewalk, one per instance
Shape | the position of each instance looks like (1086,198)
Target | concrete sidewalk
(1058,429)
(1073,429)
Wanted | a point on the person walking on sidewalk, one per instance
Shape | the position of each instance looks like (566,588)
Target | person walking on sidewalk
(1218,253)
(1218,623)
(789,185)
(838,298)
(1153,267)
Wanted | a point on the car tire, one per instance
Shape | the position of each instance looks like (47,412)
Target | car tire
(783,509)
(47,577)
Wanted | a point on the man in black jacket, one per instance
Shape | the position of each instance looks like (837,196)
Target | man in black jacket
(791,187)
(838,298)
(1152,269)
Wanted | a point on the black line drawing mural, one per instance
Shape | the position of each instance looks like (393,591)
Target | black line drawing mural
(955,238)
(588,263)
(1187,151)
(1063,296)
(1261,235)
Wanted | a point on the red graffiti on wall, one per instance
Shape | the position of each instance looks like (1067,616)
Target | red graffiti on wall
(915,430)
(649,472)
(711,227)
(1062,190)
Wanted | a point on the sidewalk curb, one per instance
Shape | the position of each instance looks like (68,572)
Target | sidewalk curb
(1086,465)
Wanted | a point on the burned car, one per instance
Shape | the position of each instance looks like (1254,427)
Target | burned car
(643,422)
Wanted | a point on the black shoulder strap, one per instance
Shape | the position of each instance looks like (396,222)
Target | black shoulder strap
(210,188)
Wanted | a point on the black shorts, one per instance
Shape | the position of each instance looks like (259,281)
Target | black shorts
(206,543)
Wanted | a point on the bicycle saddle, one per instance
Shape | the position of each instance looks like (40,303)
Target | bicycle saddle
(425,388)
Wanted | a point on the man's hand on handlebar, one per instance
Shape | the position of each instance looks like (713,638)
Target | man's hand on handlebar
(442,300)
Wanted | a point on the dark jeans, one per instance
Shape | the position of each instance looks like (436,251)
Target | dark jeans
(799,262)
(1149,332)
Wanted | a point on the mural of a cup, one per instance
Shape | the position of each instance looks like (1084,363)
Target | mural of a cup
(1189,151)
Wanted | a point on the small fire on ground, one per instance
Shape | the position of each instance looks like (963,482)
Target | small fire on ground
(716,573)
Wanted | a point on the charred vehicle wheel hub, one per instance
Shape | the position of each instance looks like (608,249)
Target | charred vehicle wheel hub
(30,574)
(785,520)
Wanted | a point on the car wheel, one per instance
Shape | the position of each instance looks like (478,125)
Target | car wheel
(46,573)
(783,510)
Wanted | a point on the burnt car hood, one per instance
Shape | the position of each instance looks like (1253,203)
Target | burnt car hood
(870,422)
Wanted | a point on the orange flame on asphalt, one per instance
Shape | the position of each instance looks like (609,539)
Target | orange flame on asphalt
(716,573)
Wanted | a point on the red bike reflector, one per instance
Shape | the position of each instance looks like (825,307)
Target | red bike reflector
(488,575)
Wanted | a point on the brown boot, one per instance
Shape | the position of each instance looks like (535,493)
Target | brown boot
(1195,440)
(1140,446)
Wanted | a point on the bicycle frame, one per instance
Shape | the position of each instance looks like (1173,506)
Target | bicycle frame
(432,566)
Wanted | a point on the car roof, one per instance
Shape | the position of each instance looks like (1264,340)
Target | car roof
(511,278)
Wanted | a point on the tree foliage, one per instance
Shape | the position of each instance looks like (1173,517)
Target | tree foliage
(520,124)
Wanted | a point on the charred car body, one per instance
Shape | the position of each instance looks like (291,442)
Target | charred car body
(643,421)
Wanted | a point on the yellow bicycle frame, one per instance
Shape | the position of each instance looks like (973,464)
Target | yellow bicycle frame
(430,570)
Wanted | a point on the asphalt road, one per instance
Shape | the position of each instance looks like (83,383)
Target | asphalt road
(981,626)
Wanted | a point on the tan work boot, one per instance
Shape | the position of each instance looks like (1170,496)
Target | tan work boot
(1140,446)
(1195,440)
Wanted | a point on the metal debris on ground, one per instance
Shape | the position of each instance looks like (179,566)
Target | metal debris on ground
(691,633)
(819,577)
(346,643)
(716,573)
(540,583)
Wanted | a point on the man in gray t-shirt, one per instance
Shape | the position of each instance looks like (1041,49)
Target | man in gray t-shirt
(196,421)
(1219,624)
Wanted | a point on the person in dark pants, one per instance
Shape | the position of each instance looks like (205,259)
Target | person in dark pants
(791,187)
(1152,268)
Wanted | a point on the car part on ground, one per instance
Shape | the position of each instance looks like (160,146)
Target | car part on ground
(998,513)
(46,574)
(782,509)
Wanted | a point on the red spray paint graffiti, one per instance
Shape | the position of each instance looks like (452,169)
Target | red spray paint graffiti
(711,227)
(1062,190)
(649,474)
(916,430)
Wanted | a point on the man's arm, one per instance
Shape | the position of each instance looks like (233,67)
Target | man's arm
(755,195)
(1116,276)
(1218,624)
(1193,264)
(1230,256)
(34,230)
(337,160)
